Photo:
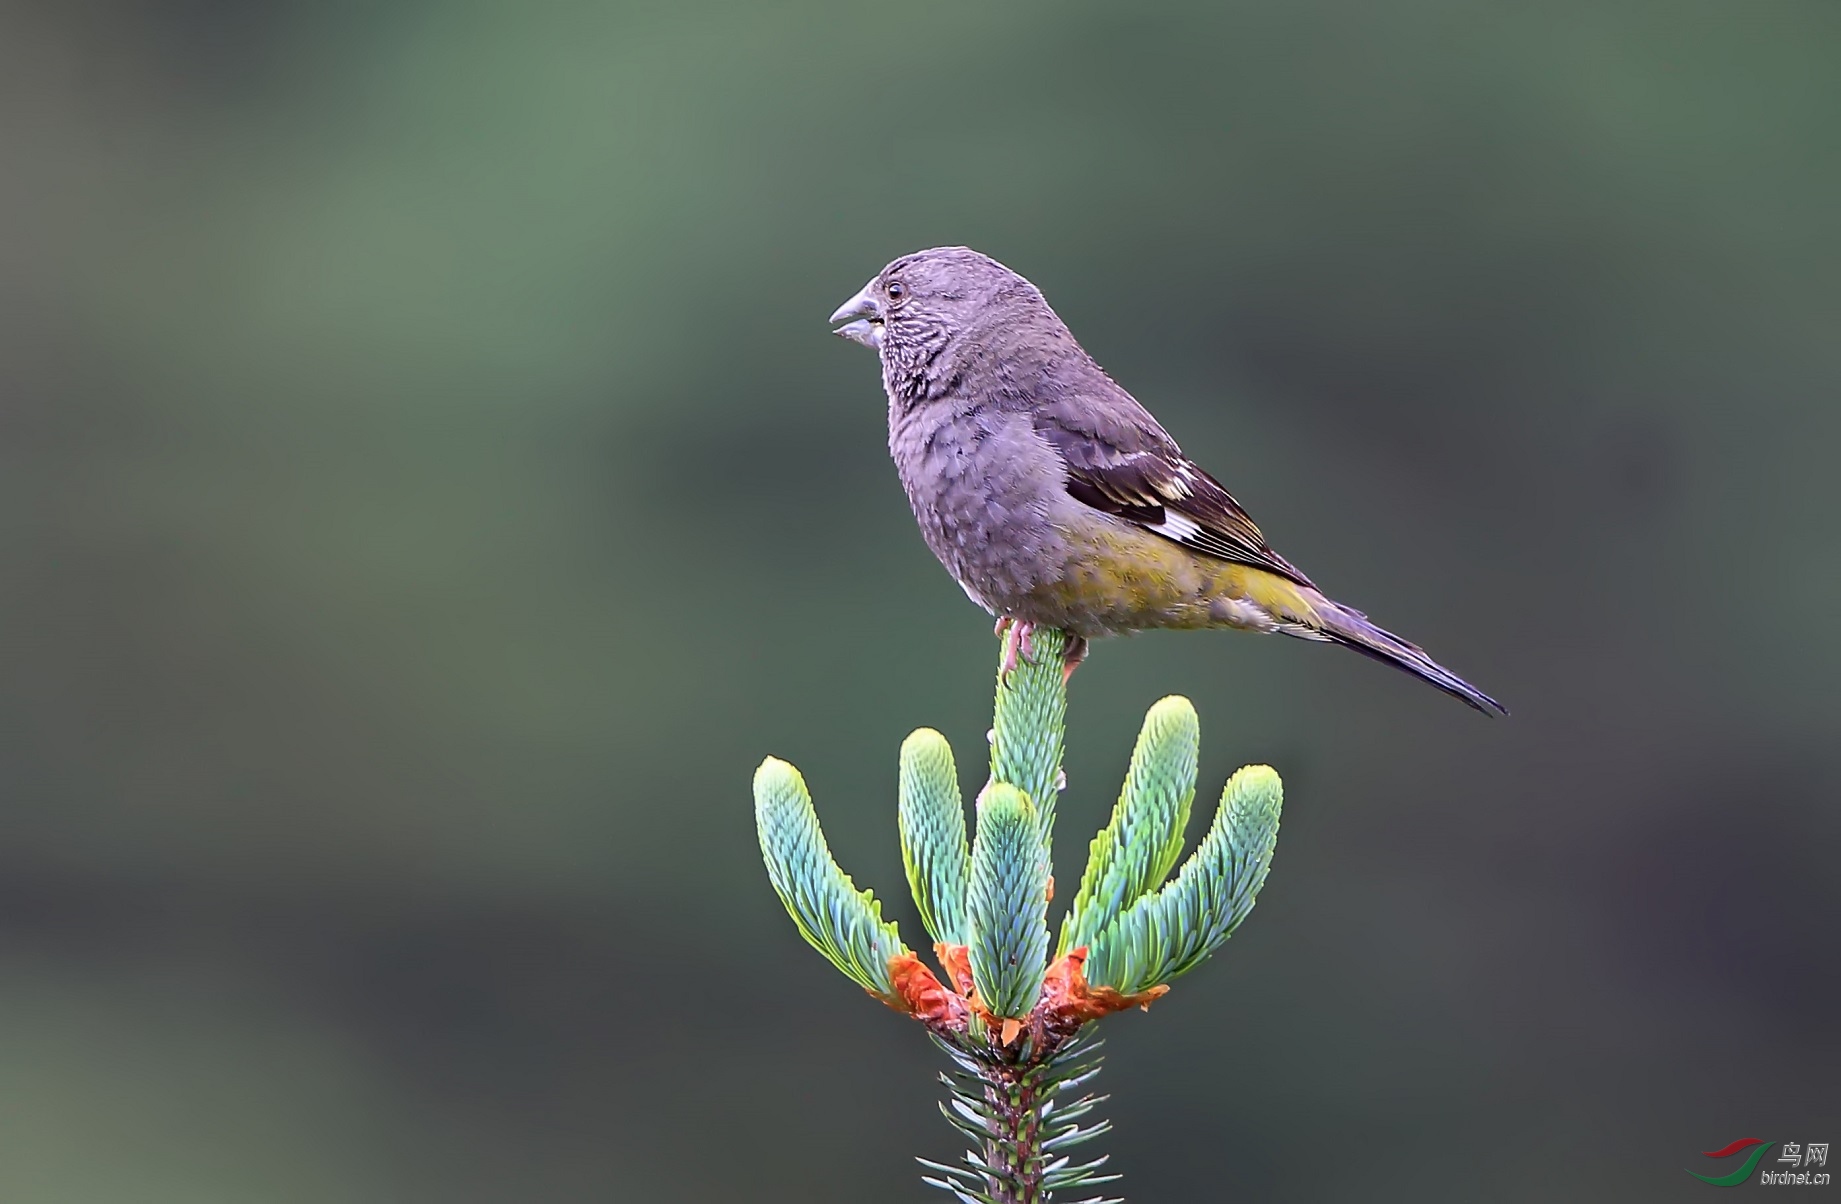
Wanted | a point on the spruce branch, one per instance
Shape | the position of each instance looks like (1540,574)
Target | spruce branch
(1030,722)
(1015,1024)
(1008,903)
(835,918)
(1169,933)
(1134,853)
(933,849)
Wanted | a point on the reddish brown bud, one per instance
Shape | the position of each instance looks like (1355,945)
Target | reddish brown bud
(957,962)
(920,995)
(1067,998)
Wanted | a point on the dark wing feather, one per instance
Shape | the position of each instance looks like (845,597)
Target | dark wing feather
(1124,464)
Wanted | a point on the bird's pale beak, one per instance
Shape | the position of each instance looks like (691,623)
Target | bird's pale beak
(867,314)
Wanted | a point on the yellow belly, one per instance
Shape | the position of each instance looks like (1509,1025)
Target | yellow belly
(1124,578)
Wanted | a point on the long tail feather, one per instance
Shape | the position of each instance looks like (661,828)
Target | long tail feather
(1352,629)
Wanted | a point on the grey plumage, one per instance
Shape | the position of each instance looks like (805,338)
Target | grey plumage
(1051,495)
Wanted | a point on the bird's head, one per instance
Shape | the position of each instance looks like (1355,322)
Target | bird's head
(921,304)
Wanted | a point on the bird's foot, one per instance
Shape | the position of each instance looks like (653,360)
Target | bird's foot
(1016,633)
(1071,657)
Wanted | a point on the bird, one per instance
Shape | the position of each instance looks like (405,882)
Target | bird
(1053,497)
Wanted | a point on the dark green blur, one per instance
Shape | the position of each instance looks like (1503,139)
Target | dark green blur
(428,488)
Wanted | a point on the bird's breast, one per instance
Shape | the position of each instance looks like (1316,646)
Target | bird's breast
(981,485)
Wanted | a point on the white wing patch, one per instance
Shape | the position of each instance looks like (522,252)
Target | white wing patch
(1175,526)
(1184,483)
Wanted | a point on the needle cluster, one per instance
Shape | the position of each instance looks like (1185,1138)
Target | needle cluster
(1014,1018)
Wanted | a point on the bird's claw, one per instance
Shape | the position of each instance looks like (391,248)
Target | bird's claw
(1019,647)
(1016,633)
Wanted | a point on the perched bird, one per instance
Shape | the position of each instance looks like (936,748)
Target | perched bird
(1052,496)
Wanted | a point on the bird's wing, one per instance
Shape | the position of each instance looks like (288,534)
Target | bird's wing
(1126,465)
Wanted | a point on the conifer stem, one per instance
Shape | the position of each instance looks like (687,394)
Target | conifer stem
(1012,1016)
(1013,1151)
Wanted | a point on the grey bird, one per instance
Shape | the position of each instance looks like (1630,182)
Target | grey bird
(1052,496)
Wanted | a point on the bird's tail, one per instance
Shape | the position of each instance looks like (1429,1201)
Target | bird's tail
(1352,629)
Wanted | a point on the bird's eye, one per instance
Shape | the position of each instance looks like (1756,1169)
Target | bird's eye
(897,290)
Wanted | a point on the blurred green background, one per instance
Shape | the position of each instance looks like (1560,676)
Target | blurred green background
(430,488)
